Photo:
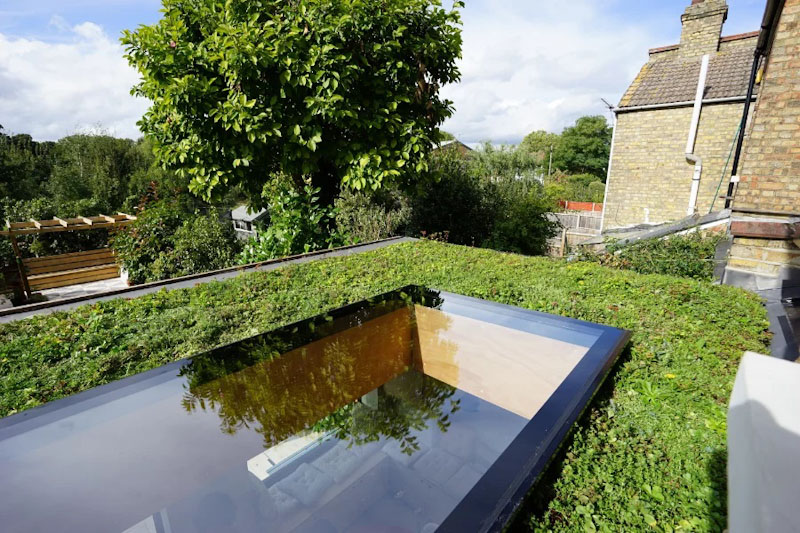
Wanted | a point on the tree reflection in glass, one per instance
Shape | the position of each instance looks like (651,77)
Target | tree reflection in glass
(401,407)
(353,375)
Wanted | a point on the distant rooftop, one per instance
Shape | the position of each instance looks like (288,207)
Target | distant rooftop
(243,212)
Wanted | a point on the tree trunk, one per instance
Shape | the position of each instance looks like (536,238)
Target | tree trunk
(327,180)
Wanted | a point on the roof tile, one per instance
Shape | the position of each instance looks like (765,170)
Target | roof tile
(672,78)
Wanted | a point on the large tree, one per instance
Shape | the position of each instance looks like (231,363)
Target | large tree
(585,147)
(541,144)
(95,166)
(24,166)
(336,92)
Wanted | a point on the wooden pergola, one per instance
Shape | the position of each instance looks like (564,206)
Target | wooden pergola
(64,269)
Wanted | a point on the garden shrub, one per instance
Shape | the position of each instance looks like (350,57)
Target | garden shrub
(363,216)
(200,244)
(297,224)
(690,256)
(482,202)
(457,202)
(648,455)
(520,223)
(166,242)
(490,198)
(575,188)
(7,265)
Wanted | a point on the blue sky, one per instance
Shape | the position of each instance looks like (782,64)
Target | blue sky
(528,64)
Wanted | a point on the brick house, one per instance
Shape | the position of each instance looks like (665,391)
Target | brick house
(766,205)
(679,123)
(670,146)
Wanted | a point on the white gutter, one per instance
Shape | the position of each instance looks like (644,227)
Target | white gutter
(690,142)
(608,173)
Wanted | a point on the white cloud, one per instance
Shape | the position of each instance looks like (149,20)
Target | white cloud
(52,89)
(540,65)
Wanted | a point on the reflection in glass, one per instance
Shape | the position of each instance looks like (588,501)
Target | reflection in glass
(381,416)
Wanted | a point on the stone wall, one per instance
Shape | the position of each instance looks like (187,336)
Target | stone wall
(770,172)
(650,177)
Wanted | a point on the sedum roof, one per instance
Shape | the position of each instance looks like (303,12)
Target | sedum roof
(668,77)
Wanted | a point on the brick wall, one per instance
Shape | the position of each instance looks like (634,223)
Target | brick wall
(770,171)
(769,191)
(763,256)
(649,168)
(702,24)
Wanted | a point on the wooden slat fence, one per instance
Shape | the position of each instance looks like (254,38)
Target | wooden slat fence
(576,227)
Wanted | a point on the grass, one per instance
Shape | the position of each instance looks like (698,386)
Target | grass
(649,454)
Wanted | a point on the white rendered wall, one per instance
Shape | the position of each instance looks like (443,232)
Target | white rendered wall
(764,446)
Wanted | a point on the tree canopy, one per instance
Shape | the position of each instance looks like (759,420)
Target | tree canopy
(585,147)
(24,165)
(540,144)
(335,92)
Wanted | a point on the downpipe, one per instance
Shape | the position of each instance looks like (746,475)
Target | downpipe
(698,171)
(691,157)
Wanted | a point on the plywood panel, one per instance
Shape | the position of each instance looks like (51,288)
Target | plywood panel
(513,369)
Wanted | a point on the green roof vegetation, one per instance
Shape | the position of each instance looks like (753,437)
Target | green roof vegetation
(649,453)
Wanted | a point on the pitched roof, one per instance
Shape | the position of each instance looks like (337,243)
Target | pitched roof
(243,212)
(454,142)
(671,78)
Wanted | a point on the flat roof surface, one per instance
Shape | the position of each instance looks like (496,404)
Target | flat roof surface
(413,411)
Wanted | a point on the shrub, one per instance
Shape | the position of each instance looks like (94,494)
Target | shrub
(364,217)
(201,244)
(298,224)
(456,201)
(7,265)
(520,223)
(689,256)
(166,242)
(489,201)
(575,188)
(596,191)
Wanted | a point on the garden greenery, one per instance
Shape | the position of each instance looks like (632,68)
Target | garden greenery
(297,224)
(648,455)
(691,255)
(344,92)
(369,216)
(166,242)
(490,199)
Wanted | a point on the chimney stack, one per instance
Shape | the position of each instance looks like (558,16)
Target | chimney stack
(702,27)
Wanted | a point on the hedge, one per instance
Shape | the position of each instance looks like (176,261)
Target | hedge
(649,454)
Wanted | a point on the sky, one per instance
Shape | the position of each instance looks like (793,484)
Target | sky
(527,64)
